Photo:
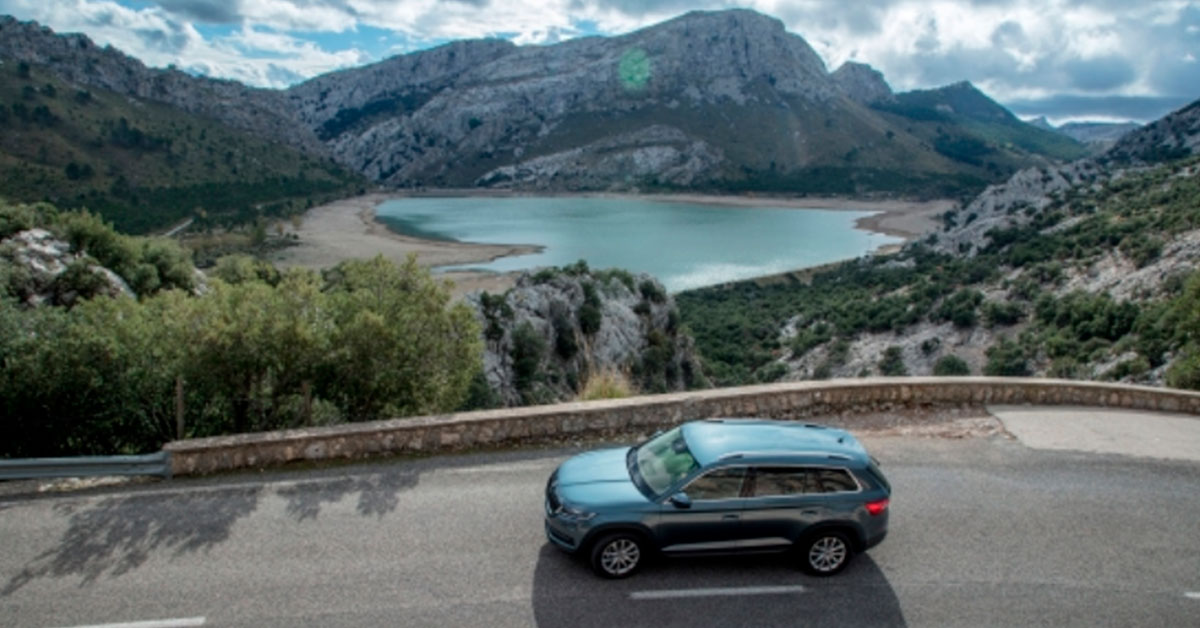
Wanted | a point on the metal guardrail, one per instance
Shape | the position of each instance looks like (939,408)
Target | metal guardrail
(86,466)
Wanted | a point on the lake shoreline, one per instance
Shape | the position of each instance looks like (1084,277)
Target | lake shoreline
(349,229)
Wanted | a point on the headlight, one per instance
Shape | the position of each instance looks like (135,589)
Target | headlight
(576,513)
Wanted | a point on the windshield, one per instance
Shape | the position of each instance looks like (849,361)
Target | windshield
(664,460)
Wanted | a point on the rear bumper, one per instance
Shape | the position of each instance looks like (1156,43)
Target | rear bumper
(875,540)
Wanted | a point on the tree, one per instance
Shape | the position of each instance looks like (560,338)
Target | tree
(398,345)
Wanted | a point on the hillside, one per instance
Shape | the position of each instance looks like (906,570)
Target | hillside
(721,101)
(1086,270)
(144,164)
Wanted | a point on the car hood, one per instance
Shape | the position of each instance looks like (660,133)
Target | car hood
(604,465)
(597,479)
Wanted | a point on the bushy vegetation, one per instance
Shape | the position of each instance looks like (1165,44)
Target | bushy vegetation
(147,265)
(258,349)
(608,384)
(739,328)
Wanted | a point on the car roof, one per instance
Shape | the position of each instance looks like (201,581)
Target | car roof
(770,441)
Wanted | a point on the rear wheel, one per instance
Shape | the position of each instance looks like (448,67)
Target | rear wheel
(617,555)
(825,553)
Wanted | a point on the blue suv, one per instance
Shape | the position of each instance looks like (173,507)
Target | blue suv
(721,486)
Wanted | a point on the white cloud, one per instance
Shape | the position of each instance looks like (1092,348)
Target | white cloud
(156,37)
(1013,49)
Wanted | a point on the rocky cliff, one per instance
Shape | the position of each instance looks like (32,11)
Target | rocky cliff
(557,328)
(863,84)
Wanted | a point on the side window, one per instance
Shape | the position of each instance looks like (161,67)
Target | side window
(778,481)
(718,484)
(836,481)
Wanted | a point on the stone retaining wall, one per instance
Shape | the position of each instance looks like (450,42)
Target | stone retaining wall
(851,404)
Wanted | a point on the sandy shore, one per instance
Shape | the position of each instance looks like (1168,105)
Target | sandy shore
(347,229)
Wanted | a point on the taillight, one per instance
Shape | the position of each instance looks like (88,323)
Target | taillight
(877,507)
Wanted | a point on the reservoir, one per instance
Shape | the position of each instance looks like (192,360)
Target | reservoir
(685,245)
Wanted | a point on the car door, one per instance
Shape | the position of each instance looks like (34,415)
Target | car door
(711,521)
(783,501)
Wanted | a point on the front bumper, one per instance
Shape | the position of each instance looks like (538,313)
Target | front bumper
(560,536)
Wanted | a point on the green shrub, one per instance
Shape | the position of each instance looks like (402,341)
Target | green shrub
(1007,359)
(960,308)
(1002,314)
(652,291)
(892,362)
(527,351)
(951,366)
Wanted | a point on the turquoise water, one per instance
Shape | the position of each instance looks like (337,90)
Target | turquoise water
(684,245)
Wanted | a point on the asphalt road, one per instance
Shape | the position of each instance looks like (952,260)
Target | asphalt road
(984,531)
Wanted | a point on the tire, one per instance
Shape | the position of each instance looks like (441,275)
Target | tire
(825,553)
(618,555)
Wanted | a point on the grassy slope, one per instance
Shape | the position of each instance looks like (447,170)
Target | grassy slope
(1062,334)
(143,164)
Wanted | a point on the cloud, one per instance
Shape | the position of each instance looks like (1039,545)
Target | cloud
(160,38)
(1027,51)
(205,11)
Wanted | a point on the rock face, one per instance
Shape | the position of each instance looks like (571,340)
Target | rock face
(863,84)
(491,113)
(77,59)
(554,329)
(51,274)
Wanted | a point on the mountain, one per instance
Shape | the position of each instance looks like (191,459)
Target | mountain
(1085,270)
(1097,135)
(75,59)
(91,127)
(1102,133)
(720,101)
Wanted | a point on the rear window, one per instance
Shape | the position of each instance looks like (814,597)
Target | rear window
(836,481)
(773,481)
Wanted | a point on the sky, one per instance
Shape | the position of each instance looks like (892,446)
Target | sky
(1065,59)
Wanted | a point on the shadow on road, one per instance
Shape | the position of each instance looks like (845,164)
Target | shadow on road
(566,593)
(378,494)
(116,535)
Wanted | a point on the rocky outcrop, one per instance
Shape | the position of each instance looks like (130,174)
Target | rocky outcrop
(659,154)
(77,59)
(44,271)
(547,335)
(863,84)
(1013,204)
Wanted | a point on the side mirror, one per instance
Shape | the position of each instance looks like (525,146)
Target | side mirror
(680,500)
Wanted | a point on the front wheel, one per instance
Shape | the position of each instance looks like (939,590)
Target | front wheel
(617,555)
(825,553)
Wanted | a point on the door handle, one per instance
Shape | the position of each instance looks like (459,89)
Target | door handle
(730,517)
(808,512)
